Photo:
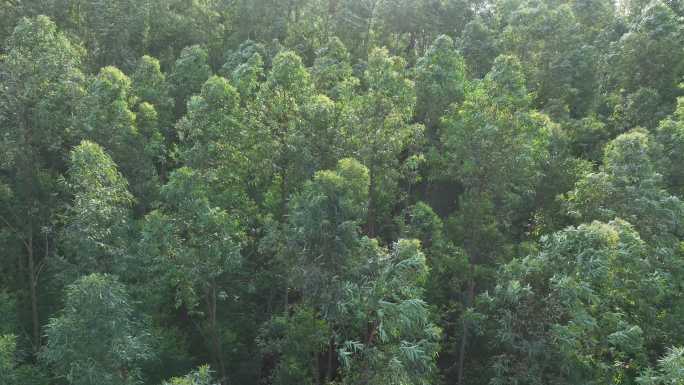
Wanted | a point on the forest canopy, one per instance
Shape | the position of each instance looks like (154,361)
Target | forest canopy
(341,192)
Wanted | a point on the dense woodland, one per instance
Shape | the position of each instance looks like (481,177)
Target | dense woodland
(350,192)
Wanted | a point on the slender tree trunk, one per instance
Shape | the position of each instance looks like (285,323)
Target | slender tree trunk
(370,222)
(331,349)
(218,351)
(464,338)
(32,281)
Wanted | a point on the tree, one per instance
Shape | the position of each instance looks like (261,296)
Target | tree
(563,79)
(669,370)
(324,223)
(280,99)
(96,339)
(495,145)
(41,82)
(106,117)
(649,51)
(332,71)
(215,144)
(194,245)
(395,342)
(149,85)
(381,131)
(190,71)
(297,340)
(95,234)
(628,186)
(670,135)
(440,81)
(479,47)
(566,315)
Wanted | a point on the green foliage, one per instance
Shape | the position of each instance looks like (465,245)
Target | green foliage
(96,223)
(106,117)
(201,376)
(440,80)
(628,186)
(190,71)
(96,338)
(495,148)
(7,347)
(382,130)
(670,369)
(263,219)
(670,135)
(400,343)
(586,326)
(296,339)
(192,242)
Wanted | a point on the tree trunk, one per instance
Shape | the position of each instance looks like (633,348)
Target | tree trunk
(370,219)
(218,351)
(32,281)
(331,349)
(464,338)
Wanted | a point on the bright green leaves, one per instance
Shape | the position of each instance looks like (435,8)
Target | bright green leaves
(8,345)
(628,187)
(194,242)
(190,71)
(106,117)
(400,343)
(670,369)
(440,80)
(201,376)
(381,129)
(96,339)
(495,147)
(41,81)
(568,314)
(95,234)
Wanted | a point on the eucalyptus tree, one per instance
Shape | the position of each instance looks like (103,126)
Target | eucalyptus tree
(390,338)
(194,247)
(201,376)
(189,72)
(8,344)
(651,53)
(96,338)
(279,103)
(670,135)
(479,45)
(40,83)
(324,251)
(324,222)
(149,85)
(566,313)
(106,117)
(494,147)
(96,224)
(214,142)
(381,131)
(440,81)
(670,369)
(332,71)
(629,186)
